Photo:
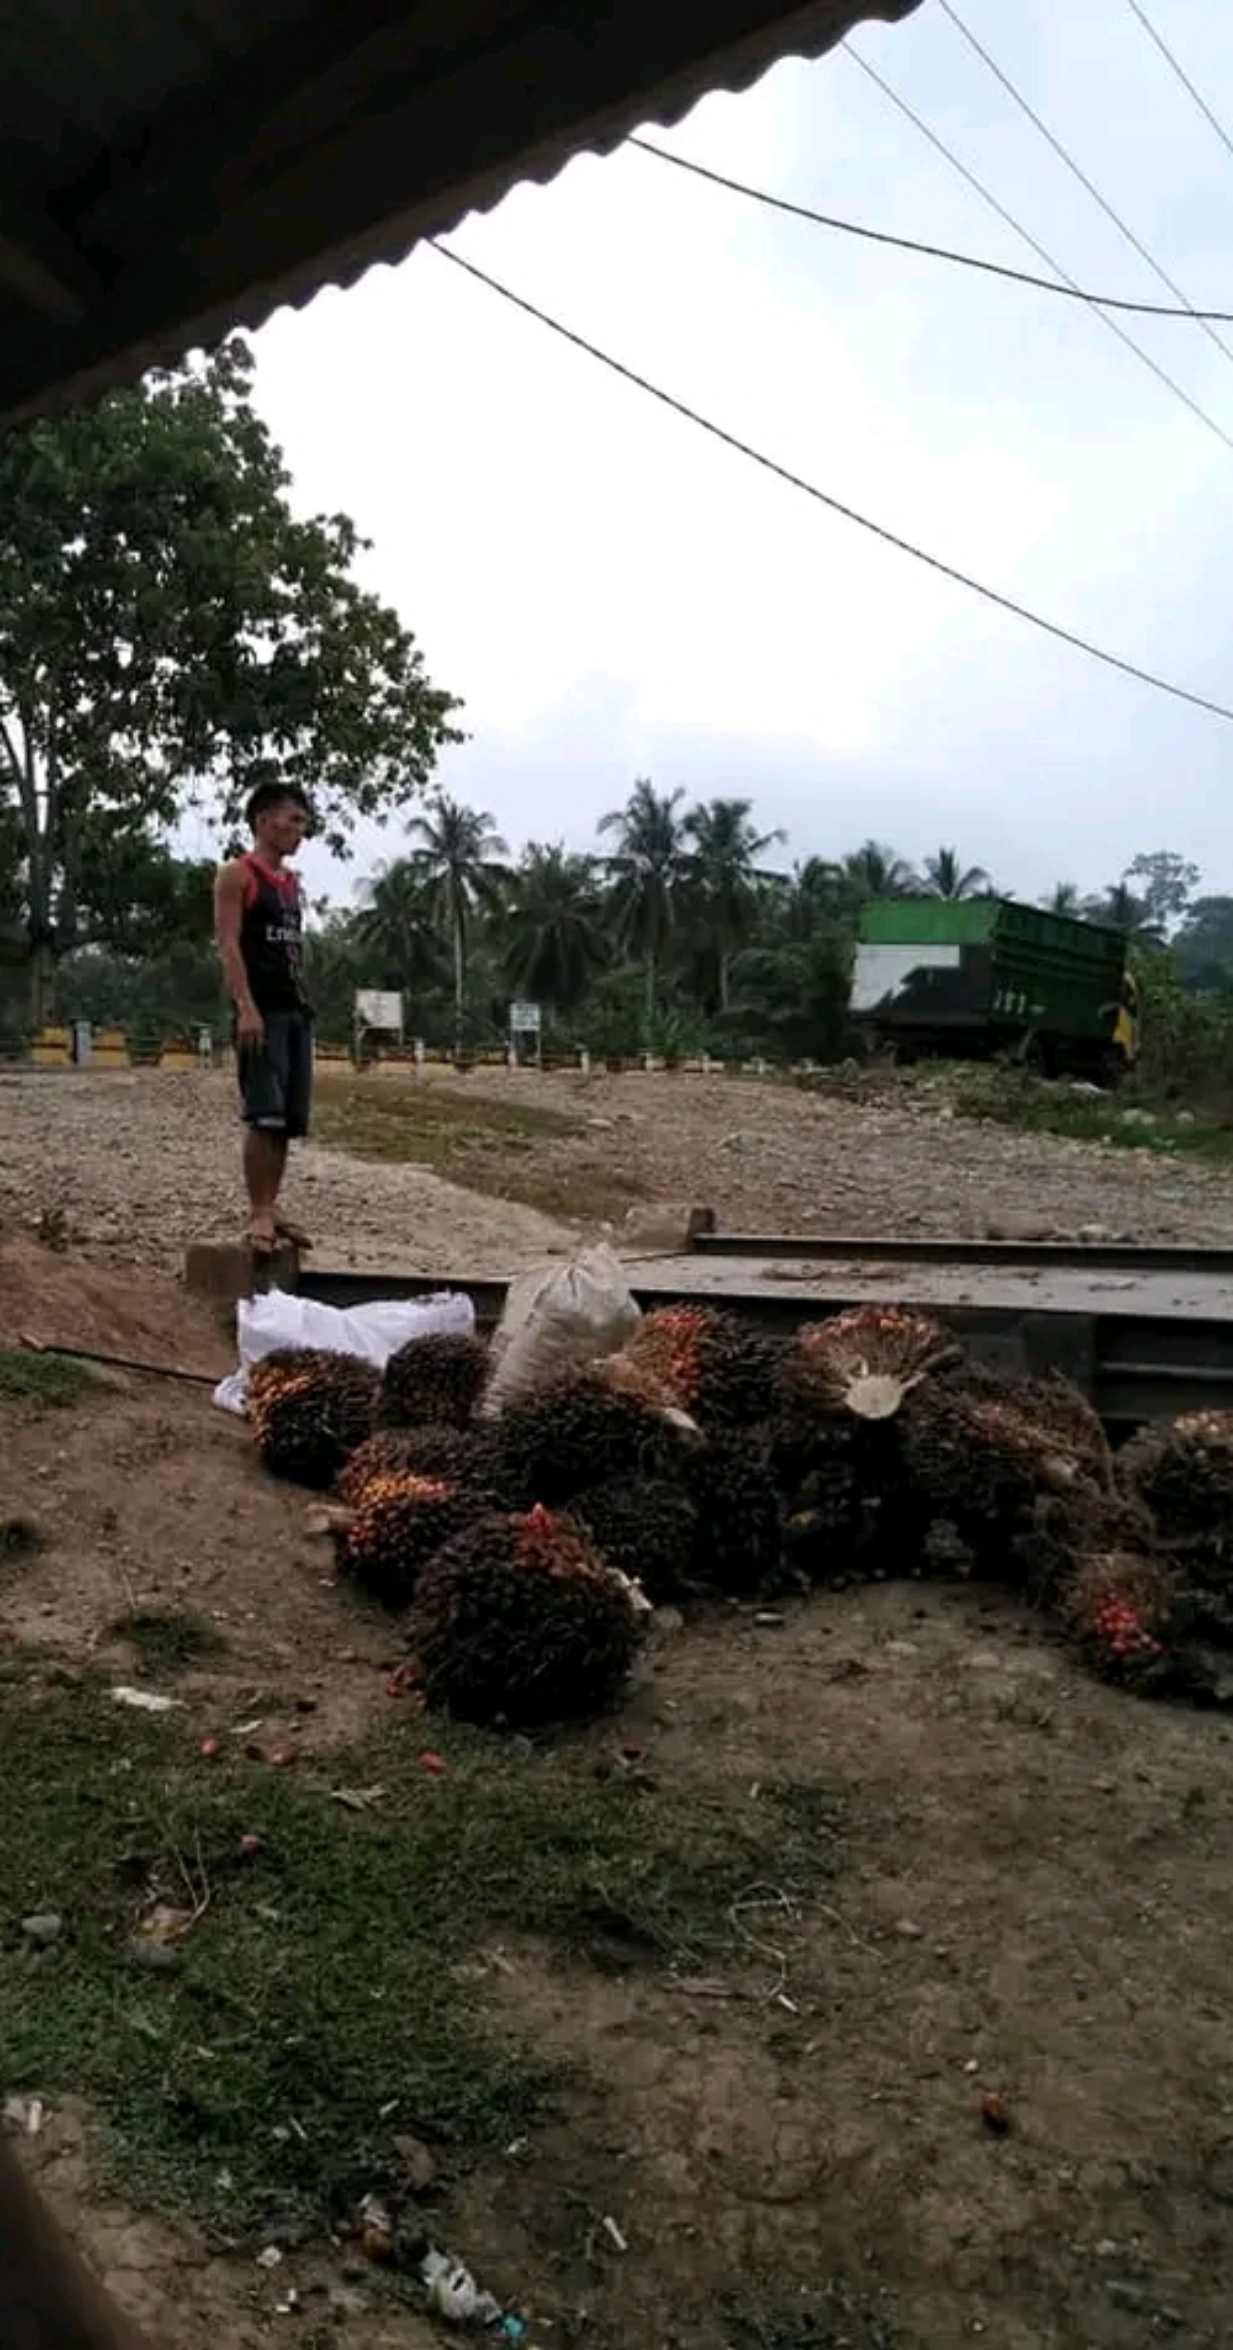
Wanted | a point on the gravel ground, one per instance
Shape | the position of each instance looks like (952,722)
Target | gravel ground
(144,1163)
(769,1158)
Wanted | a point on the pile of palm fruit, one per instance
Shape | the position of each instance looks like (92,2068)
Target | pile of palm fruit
(706,1460)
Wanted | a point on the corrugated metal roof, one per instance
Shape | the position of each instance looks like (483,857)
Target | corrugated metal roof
(171,168)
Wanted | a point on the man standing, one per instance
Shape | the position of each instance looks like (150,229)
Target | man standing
(259,926)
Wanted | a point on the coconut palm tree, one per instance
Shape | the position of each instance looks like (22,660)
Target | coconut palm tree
(459,859)
(1122,909)
(726,847)
(946,878)
(650,874)
(554,938)
(874,871)
(1063,898)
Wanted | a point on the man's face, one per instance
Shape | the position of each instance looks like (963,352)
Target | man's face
(280,829)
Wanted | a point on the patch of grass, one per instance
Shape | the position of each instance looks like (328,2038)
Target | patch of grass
(48,1382)
(1009,1098)
(328,1995)
(168,1640)
(833,2316)
(487,1144)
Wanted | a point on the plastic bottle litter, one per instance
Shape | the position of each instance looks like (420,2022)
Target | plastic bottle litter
(453,2293)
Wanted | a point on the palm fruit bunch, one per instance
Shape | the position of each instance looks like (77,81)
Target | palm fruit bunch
(978,1455)
(431,1451)
(518,1620)
(739,1544)
(705,1362)
(438,1378)
(843,1489)
(398,1524)
(575,1433)
(647,1528)
(1122,1609)
(1183,1472)
(866,1362)
(309,1411)
(1066,1524)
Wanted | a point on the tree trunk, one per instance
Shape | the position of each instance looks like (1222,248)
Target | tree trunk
(723,979)
(651,979)
(460,985)
(42,985)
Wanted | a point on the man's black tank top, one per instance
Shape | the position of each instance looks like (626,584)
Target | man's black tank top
(271,938)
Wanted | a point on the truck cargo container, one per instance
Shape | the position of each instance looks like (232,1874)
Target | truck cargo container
(972,978)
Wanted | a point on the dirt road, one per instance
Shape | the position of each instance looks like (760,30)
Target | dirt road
(144,1163)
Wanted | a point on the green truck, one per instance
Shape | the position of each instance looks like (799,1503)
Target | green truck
(971,978)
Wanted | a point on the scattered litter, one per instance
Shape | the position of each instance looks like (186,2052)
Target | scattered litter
(250,1844)
(767,1620)
(433,1763)
(453,2292)
(165,1925)
(994,2114)
(376,2228)
(403,1681)
(270,2258)
(208,1748)
(289,2307)
(146,1701)
(357,1798)
(611,2229)
(247,1729)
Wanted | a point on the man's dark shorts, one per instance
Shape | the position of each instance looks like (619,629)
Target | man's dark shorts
(276,1078)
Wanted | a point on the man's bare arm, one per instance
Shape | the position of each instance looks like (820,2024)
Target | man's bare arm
(228,921)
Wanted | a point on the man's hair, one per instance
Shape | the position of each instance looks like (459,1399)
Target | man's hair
(272,790)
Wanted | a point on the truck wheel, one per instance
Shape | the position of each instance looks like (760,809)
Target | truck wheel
(1037,1055)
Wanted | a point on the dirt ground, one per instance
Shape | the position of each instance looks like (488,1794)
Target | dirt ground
(141,1163)
(1033,1896)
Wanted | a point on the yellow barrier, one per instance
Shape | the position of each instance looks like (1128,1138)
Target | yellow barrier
(180,1057)
(53,1048)
(109,1049)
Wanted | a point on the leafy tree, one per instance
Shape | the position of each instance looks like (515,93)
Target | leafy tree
(167,624)
(458,860)
(554,934)
(726,849)
(650,874)
(946,877)
(1203,947)
(1166,883)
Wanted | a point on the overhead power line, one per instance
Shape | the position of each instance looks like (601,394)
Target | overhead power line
(881,236)
(796,481)
(1077,172)
(1042,252)
(1183,77)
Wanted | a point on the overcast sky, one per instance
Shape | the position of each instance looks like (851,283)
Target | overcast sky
(615,595)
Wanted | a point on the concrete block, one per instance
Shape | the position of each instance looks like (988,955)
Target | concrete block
(226,1271)
(663,1227)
